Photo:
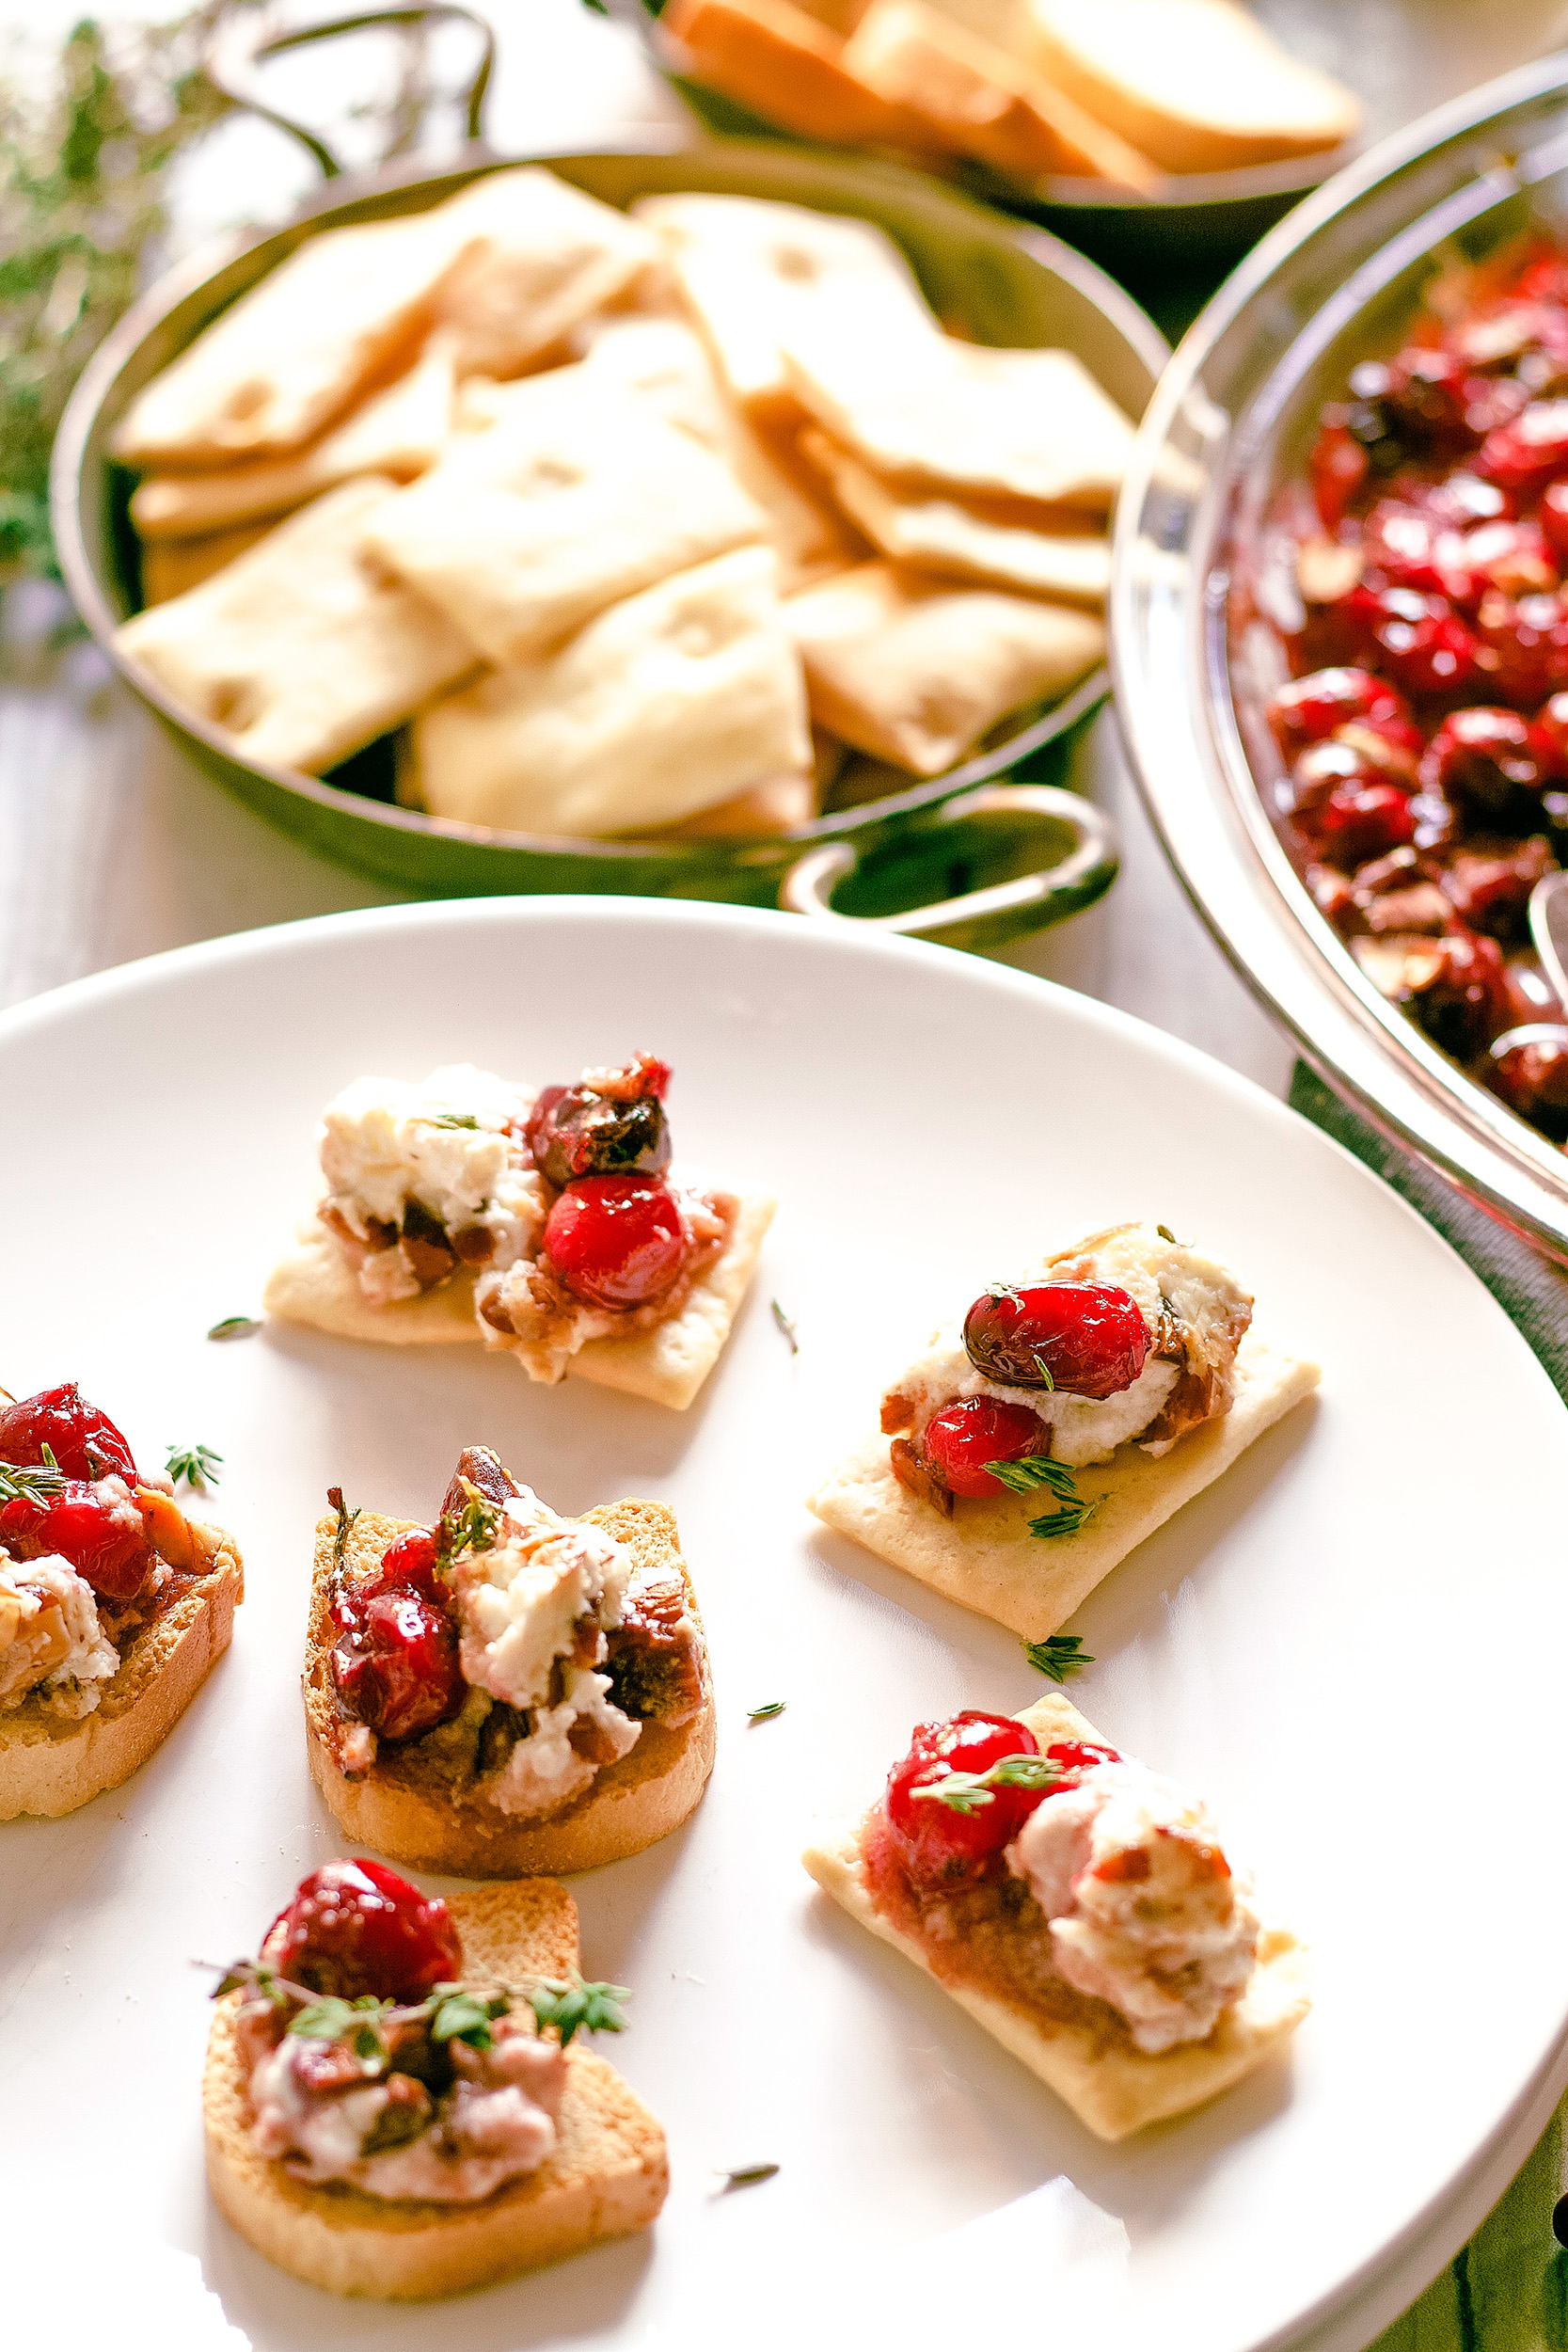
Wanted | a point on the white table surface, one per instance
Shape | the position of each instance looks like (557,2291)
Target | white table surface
(112,846)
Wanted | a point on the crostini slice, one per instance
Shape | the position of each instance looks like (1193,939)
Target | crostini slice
(114,1606)
(553,1227)
(1016,1490)
(984,1936)
(602,2173)
(538,1698)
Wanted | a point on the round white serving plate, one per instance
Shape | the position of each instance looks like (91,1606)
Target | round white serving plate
(1351,1646)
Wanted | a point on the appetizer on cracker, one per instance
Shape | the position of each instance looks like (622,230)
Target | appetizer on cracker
(113,1605)
(1080,1907)
(556,1228)
(396,2101)
(1109,1385)
(508,1690)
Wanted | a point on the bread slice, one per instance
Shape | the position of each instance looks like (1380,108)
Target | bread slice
(315,1283)
(1110,2085)
(1196,84)
(985,1556)
(169,567)
(786,66)
(51,1766)
(606,2176)
(408,1806)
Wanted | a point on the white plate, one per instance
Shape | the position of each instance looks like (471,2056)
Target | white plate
(1353,1645)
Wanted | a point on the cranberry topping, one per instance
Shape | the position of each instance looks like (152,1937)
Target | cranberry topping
(617,1241)
(356,1928)
(938,1845)
(1483,758)
(1311,707)
(1462,1000)
(1337,467)
(1529,1070)
(1525,454)
(1417,640)
(1359,821)
(963,1438)
(396,1667)
(84,1441)
(1523,646)
(1088,1339)
(98,1533)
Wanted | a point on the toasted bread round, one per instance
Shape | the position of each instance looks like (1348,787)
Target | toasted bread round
(409,1806)
(606,2176)
(51,1766)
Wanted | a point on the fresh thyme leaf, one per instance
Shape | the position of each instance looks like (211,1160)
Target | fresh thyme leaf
(472,1528)
(345,1520)
(325,2021)
(965,1792)
(29,1481)
(786,1327)
(1165,1234)
(450,1119)
(1065,1521)
(1037,1470)
(234,1327)
(1060,1655)
(1001,1290)
(197,1465)
(1047,1378)
(770,1707)
(745,2174)
(579,2008)
(461,2017)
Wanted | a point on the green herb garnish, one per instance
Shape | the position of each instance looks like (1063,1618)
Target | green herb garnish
(579,2008)
(1001,1290)
(449,1118)
(965,1792)
(1039,1470)
(1165,1234)
(770,1707)
(474,1527)
(1058,1656)
(234,1327)
(453,2012)
(745,2174)
(197,1465)
(31,1482)
(345,1520)
(463,2017)
(786,1327)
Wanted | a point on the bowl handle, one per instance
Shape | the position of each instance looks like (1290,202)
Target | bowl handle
(1000,911)
(236,53)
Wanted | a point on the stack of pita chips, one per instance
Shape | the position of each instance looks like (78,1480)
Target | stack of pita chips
(635,526)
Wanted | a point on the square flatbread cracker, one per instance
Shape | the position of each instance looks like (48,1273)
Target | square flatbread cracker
(744,266)
(581,496)
(315,1283)
(401,432)
(300,650)
(1110,2085)
(670,702)
(985,1556)
(539,257)
(169,567)
(916,669)
(1030,425)
(1002,542)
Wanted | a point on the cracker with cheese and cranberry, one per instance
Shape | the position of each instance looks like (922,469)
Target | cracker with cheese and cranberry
(396,2101)
(1068,1415)
(113,1605)
(1078,1906)
(556,1227)
(507,1691)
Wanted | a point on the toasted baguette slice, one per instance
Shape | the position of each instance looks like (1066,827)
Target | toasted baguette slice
(1111,2086)
(773,57)
(1196,84)
(51,1766)
(409,1807)
(606,2176)
(315,1283)
(985,1556)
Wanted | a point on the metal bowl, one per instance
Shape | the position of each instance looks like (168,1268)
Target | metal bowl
(1228,427)
(982,860)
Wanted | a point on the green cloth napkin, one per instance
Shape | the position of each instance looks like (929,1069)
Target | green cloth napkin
(1507,2290)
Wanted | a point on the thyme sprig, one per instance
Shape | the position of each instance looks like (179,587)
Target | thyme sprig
(770,1707)
(234,1327)
(787,1327)
(195,1465)
(474,1527)
(345,1522)
(451,2012)
(448,1119)
(965,1792)
(1058,1656)
(32,1482)
(745,2175)
(1037,1471)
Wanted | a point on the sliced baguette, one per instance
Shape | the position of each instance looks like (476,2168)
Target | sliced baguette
(606,2176)
(407,1805)
(1109,2084)
(51,1766)
(786,66)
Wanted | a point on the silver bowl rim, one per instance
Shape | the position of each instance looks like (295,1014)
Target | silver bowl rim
(1193,778)
(187,275)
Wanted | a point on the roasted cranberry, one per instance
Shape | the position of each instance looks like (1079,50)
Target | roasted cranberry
(616,1240)
(84,1441)
(1510,557)
(1088,1339)
(1548,738)
(1464,500)
(1417,640)
(1339,466)
(397,1669)
(1523,646)
(1463,1001)
(356,1928)
(409,1563)
(1361,821)
(1412,549)
(941,1847)
(584,1133)
(1490,892)
(1532,450)
(1325,769)
(1073,1758)
(1553,513)
(1529,1070)
(102,1535)
(1309,709)
(1482,757)
(963,1438)
(1426,393)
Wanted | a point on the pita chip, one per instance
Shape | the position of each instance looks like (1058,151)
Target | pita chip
(539,257)
(672,701)
(300,651)
(915,670)
(170,567)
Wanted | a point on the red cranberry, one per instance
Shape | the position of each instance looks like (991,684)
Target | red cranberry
(1510,557)
(1490,892)
(1548,738)
(1412,549)
(1309,709)
(1088,1339)
(1463,1001)
(84,1441)
(1426,392)
(939,1845)
(1361,821)
(1464,500)
(102,1536)
(963,1438)
(1337,467)
(1527,452)
(1523,646)
(1325,769)
(1075,1757)
(616,1240)
(1491,401)
(1529,1070)
(397,1671)
(356,1928)
(575,1132)
(409,1563)
(1553,515)
(1417,640)
(1482,757)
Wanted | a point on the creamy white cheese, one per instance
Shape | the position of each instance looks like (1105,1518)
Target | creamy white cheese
(58,1647)
(1202,1292)
(386,1141)
(1144,1911)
